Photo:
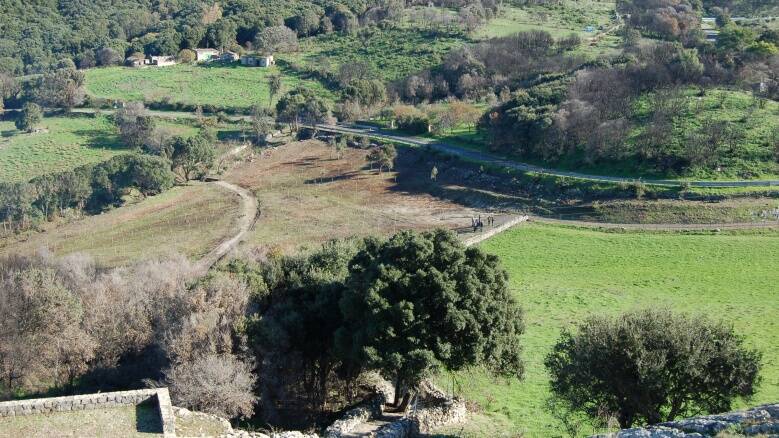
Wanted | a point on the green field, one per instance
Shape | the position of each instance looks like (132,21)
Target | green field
(225,86)
(392,53)
(561,20)
(561,275)
(63,143)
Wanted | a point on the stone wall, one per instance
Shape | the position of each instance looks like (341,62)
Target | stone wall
(484,235)
(371,408)
(39,406)
(761,421)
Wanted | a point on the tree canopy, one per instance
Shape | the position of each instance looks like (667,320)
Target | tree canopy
(651,366)
(419,302)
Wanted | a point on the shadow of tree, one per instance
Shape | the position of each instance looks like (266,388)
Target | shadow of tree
(100,139)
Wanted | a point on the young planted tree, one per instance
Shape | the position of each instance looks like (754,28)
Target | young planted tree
(383,156)
(651,366)
(30,116)
(418,302)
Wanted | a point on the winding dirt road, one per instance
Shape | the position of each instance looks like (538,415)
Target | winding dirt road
(249,209)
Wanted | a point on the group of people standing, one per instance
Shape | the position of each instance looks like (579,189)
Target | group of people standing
(477,223)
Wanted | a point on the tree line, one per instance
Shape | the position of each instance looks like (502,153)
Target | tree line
(88,188)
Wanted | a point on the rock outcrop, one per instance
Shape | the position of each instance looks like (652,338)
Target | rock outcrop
(762,421)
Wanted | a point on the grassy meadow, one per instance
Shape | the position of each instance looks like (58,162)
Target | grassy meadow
(561,275)
(561,20)
(226,86)
(62,143)
(65,142)
(190,220)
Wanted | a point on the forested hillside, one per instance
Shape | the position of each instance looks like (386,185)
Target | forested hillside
(40,35)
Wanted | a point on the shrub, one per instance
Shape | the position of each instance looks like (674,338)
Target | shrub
(220,385)
(651,366)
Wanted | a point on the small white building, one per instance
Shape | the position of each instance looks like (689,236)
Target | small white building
(161,61)
(206,55)
(258,60)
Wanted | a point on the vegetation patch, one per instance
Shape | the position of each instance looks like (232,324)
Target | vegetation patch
(221,86)
(391,53)
(588,19)
(61,143)
(561,275)
(190,220)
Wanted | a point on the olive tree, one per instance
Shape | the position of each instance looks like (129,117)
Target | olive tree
(419,302)
(651,366)
(193,157)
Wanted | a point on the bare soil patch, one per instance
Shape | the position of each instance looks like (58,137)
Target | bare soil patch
(307,194)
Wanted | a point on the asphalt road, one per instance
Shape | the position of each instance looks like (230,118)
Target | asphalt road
(485,157)
(488,158)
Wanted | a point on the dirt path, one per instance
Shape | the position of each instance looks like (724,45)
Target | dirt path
(249,209)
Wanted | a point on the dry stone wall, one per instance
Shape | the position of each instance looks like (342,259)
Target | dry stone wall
(39,406)
(762,421)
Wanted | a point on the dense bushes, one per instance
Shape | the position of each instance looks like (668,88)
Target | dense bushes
(487,67)
(630,111)
(668,19)
(89,188)
(67,325)
(651,366)
(435,305)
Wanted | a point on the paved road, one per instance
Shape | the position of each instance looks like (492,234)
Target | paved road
(484,157)
(488,158)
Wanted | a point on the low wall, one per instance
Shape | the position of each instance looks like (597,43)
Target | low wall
(39,406)
(486,234)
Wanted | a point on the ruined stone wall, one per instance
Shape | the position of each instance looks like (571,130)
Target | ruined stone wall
(762,421)
(39,406)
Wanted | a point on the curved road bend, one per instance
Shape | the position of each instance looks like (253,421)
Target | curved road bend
(525,167)
(483,157)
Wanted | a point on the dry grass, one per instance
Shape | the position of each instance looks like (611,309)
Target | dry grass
(126,421)
(190,220)
(307,195)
